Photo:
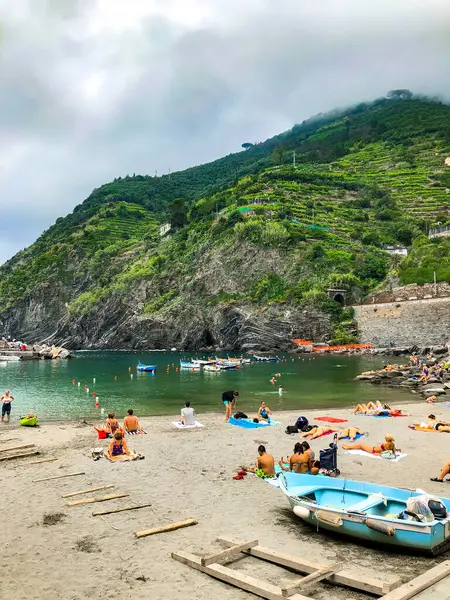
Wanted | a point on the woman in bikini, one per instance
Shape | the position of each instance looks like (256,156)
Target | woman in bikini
(368,409)
(388,446)
(111,424)
(298,462)
(350,432)
(118,449)
(317,431)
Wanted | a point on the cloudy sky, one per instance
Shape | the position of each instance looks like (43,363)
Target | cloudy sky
(94,89)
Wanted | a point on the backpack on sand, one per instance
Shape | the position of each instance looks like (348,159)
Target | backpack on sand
(302,423)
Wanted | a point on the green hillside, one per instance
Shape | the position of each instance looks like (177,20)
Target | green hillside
(276,232)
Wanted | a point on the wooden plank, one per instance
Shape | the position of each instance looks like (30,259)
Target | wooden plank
(24,455)
(217,557)
(97,489)
(59,477)
(236,578)
(345,578)
(423,582)
(302,583)
(99,499)
(116,510)
(171,527)
(38,462)
(18,448)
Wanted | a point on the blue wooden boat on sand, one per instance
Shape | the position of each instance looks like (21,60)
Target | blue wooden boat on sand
(146,368)
(370,512)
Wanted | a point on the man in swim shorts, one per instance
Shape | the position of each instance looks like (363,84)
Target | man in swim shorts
(228,398)
(265,466)
(6,406)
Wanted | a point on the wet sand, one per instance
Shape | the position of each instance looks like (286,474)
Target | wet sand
(186,474)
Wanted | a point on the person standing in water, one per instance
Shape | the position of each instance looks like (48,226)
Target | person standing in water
(228,398)
(6,406)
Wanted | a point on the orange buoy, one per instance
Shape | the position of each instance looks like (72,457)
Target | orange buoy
(73,382)
(115,377)
(94,394)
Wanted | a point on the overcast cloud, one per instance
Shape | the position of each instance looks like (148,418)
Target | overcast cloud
(94,89)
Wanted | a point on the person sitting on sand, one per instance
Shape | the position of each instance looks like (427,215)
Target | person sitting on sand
(118,449)
(431,399)
(433,423)
(187,414)
(111,424)
(265,465)
(445,471)
(298,462)
(350,432)
(264,412)
(388,446)
(131,423)
(309,451)
(317,431)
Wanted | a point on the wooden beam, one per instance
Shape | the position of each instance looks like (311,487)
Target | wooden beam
(171,527)
(423,582)
(18,448)
(231,552)
(24,455)
(116,510)
(236,578)
(345,578)
(59,476)
(99,499)
(38,462)
(302,583)
(97,489)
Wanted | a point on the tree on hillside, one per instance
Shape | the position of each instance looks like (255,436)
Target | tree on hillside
(177,213)
(400,94)
(247,145)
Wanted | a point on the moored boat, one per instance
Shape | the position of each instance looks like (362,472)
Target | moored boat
(266,358)
(146,368)
(213,368)
(10,358)
(370,512)
(203,363)
(189,365)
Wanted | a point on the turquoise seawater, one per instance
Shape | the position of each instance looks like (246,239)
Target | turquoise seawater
(46,388)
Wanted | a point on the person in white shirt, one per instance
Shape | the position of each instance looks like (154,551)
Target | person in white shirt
(187,414)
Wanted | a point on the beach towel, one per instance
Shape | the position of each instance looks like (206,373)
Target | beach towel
(179,425)
(324,434)
(330,419)
(140,432)
(446,404)
(248,423)
(398,456)
(379,416)
(274,480)
(358,435)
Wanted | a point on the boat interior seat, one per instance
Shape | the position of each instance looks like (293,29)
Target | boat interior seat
(365,504)
(310,490)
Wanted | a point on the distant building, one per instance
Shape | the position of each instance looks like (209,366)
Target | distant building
(398,250)
(439,232)
(164,229)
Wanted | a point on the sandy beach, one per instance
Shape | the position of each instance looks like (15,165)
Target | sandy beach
(185,474)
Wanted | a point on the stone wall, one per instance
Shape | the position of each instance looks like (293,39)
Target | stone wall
(414,322)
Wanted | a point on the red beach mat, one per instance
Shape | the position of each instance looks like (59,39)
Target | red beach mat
(330,420)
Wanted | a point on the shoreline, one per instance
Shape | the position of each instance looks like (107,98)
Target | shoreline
(187,474)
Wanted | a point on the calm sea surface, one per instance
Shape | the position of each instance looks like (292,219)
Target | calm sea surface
(46,388)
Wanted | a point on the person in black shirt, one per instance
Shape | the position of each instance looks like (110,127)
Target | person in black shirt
(228,398)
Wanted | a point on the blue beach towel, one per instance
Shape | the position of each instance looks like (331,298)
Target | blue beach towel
(445,404)
(358,435)
(376,416)
(248,423)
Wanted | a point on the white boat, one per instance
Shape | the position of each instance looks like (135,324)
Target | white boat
(203,363)
(213,368)
(10,358)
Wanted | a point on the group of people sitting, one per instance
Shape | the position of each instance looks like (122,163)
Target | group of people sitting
(118,449)
(301,461)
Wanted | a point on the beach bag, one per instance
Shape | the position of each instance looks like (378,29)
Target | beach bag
(302,423)
(240,415)
(388,454)
(418,505)
(291,430)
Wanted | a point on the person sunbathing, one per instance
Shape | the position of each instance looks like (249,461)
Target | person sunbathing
(350,432)
(368,409)
(388,446)
(317,431)
(445,471)
(264,412)
(131,423)
(118,449)
(431,399)
(111,424)
(433,423)
(265,465)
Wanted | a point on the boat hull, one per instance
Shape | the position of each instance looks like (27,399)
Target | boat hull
(146,368)
(365,524)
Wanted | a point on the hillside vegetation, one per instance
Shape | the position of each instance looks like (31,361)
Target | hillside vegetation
(253,235)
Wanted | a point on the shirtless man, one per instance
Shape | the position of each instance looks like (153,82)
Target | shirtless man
(131,423)
(265,465)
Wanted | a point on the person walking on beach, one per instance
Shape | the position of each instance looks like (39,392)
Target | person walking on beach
(228,398)
(6,406)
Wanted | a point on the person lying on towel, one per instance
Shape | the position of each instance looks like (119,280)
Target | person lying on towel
(118,449)
(433,423)
(265,465)
(317,431)
(388,446)
(350,432)
(131,423)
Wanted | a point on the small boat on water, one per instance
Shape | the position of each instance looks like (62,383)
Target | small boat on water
(203,363)
(371,512)
(189,365)
(9,358)
(146,368)
(213,368)
(266,358)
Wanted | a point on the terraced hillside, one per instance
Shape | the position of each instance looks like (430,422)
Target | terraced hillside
(263,241)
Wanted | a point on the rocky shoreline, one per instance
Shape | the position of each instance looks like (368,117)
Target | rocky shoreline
(17,350)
